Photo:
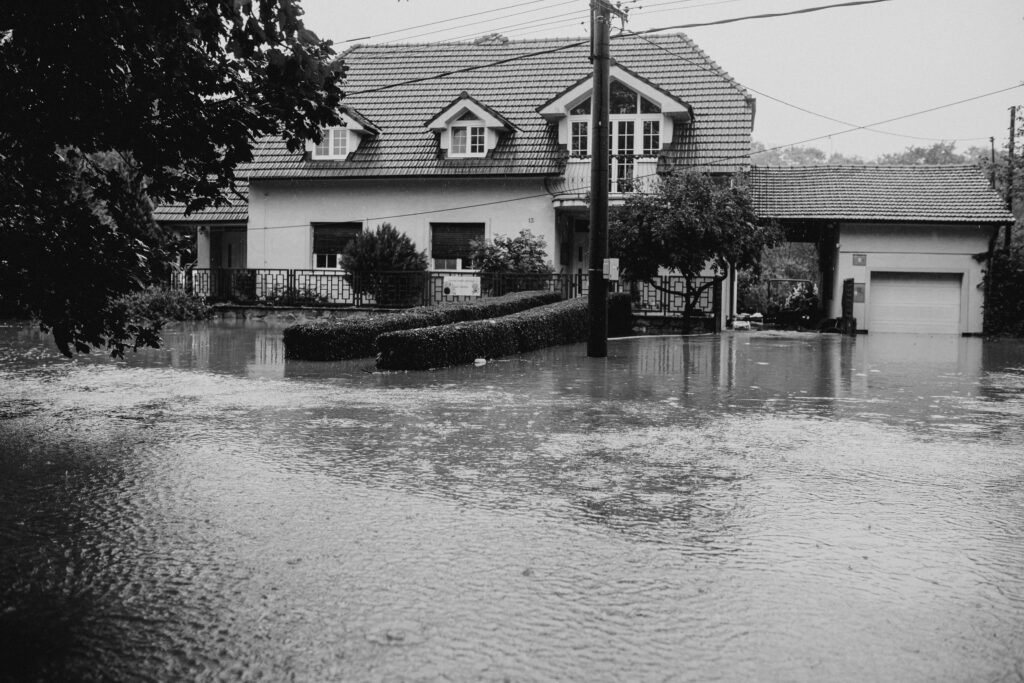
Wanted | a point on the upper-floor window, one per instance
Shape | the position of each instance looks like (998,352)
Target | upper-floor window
(579,143)
(468,128)
(634,124)
(468,140)
(469,137)
(333,144)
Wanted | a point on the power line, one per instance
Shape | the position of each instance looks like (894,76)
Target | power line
(773,15)
(507,16)
(645,32)
(441,21)
(543,21)
(790,104)
(467,69)
(708,162)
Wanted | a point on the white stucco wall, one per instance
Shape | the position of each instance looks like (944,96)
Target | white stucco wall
(280,212)
(907,248)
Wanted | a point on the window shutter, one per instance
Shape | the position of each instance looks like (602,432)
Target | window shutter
(451,240)
(332,238)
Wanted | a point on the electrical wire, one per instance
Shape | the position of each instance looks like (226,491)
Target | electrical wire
(444,21)
(772,15)
(541,21)
(508,16)
(708,162)
(805,10)
(717,160)
(467,69)
(790,104)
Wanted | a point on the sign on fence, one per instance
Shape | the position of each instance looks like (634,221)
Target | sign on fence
(611,269)
(461,286)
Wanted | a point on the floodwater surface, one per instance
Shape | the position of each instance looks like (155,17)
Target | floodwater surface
(744,507)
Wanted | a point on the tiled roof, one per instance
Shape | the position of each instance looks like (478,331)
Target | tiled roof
(926,194)
(377,86)
(235,211)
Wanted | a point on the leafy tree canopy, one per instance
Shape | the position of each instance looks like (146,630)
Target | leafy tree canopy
(109,104)
(687,223)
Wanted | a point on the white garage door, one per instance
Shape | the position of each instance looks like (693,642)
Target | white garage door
(914,302)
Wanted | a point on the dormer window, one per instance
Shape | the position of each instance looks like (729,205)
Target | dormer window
(333,144)
(642,116)
(468,128)
(338,142)
(469,136)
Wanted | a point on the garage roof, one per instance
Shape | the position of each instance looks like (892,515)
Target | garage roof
(910,194)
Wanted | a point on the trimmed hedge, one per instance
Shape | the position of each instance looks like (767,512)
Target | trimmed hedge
(357,337)
(565,322)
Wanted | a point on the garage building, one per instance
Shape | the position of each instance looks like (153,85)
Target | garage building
(914,240)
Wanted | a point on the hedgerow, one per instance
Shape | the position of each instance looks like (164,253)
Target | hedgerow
(356,337)
(565,322)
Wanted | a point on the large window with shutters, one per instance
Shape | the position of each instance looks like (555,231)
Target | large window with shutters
(450,244)
(330,240)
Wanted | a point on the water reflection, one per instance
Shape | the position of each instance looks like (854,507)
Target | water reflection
(738,507)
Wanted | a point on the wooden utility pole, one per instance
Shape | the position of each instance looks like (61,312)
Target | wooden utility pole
(1009,179)
(600,17)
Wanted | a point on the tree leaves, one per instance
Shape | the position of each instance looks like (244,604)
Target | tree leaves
(179,90)
(689,223)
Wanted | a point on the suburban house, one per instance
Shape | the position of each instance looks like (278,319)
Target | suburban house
(498,145)
(453,142)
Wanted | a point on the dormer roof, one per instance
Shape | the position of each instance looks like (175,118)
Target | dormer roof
(558,107)
(357,122)
(465,104)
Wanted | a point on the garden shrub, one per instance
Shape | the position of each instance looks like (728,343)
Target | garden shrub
(356,337)
(565,322)
(376,263)
(161,304)
(512,264)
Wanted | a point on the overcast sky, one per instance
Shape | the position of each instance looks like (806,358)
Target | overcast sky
(861,64)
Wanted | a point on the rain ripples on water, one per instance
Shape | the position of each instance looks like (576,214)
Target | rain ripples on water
(734,508)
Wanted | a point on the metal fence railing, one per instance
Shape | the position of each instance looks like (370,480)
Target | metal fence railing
(400,289)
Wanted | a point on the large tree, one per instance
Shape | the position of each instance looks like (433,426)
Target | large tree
(109,104)
(688,224)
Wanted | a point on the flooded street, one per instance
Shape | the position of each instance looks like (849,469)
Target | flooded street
(742,507)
